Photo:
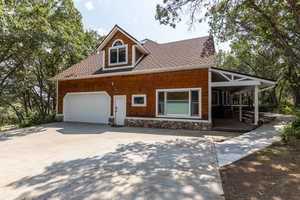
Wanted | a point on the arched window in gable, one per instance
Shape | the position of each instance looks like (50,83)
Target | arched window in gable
(118,43)
(118,53)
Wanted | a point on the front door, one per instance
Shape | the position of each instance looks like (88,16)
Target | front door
(120,109)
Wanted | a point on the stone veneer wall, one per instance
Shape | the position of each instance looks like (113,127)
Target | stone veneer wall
(59,118)
(168,124)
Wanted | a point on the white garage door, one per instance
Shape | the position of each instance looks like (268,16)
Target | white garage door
(87,107)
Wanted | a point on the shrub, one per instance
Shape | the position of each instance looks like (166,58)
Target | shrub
(287,109)
(292,130)
(35,119)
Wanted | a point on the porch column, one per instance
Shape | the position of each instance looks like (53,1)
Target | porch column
(209,97)
(256,111)
(240,102)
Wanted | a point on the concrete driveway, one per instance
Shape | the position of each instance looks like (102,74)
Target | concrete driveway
(84,161)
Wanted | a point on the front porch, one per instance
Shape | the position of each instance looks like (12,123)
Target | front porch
(235,100)
(231,125)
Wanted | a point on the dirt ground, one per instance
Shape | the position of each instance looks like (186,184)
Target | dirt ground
(270,174)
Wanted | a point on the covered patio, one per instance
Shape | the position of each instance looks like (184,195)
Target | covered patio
(235,99)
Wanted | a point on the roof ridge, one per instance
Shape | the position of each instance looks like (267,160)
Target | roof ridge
(150,40)
(186,40)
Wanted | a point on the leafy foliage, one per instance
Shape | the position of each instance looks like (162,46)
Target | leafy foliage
(265,34)
(292,130)
(38,39)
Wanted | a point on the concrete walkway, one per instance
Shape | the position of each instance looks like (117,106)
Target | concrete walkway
(239,147)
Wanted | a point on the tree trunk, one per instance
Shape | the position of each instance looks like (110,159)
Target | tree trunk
(296,94)
(274,98)
(25,103)
(280,95)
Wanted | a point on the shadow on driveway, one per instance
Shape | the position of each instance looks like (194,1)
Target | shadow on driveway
(69,128)
(172,170)
(85,128)
(21,132)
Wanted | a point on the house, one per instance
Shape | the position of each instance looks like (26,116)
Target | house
(169,85)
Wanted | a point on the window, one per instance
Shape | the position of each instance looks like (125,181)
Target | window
(118,43)
(118,53)
(179,102)
(139,100)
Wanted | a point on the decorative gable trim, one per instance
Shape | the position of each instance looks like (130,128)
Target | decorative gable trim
(113,32)
(103,59)
(133,55)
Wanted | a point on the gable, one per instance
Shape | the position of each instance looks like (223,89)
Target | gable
(124,55)
(118,36)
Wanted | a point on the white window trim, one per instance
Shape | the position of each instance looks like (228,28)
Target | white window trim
(138,95)
(180,90)
(118,63)
(118,40)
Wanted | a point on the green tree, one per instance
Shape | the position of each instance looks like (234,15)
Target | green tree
(270,24)
(38,39)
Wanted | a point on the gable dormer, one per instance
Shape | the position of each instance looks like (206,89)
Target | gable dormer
(120,50)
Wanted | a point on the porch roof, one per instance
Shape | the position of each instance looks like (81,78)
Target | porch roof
(228,78)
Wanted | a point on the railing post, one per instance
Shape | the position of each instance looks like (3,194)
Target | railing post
(256,111)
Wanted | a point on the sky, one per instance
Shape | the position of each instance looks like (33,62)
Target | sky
(137,17)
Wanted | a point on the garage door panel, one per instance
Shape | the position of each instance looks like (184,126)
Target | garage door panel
(92,108)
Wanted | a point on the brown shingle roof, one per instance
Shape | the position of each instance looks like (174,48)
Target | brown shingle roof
(197,51)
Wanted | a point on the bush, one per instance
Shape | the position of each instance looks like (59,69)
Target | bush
(287,109)
(292,130)
(35,119)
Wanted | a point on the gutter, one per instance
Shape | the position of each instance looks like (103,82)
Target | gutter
(168,69)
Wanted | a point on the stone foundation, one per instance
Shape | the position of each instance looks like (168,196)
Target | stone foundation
(168,124)
(59,118)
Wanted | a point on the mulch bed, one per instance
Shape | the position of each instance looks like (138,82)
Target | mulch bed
(269,174)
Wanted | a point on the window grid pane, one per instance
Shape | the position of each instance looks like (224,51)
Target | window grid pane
(118,43)
(195,103)
(113,55)
(161,103)
(139,100)
(178,103)
(122,55)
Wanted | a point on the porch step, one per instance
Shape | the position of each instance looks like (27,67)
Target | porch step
(232,125)
(234,129)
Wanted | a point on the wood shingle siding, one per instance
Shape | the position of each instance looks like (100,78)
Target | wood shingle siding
(140,84)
